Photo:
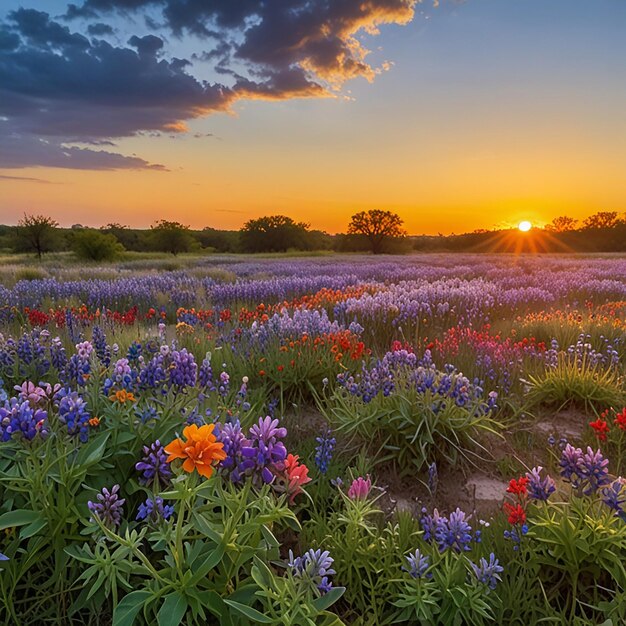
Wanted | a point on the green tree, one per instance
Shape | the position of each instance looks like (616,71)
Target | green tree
(602,219)
(37,233)
(274,233)
(172,237)
(377,226)
(562,224)
(93,245)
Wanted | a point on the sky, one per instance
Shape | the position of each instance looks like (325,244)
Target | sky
(457,115)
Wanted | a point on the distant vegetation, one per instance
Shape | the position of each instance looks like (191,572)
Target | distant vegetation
(373,231)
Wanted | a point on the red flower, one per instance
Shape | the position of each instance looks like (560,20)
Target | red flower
(601,428)
(516,513)
(296,474)
(620,419)
(518,487)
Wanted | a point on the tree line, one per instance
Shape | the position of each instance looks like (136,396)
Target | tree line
(375,231)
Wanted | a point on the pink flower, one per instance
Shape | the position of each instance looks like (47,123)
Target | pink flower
(29,391)
(360,488)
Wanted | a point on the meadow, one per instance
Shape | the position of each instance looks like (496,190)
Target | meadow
(341,439)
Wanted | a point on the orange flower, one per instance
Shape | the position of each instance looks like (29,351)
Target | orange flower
(122,396)
(94,421)
(200,450)
(297,475)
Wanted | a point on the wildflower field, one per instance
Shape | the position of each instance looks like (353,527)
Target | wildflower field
(432,439)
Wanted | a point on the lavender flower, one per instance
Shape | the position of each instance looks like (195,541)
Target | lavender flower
(154,510)
(614,496)
(74,414)
(154,467)
(315,566)
(183,370)
(594,470)
(488,573)
(418,565)
(324,451)
(108,508)
(539,488)
(264,450)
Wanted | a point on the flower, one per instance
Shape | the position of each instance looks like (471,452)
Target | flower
(614,496)
(594,470)
(539,488)
(418,565)
(200,451)
(518,487)
(153,466)
(154,510)
(488,573)
(324,451)
(620,419)
(453,532)
(122,396)
(109,507)
(601,428)
(515,512)
(314,565)
(360,488)
(296,474)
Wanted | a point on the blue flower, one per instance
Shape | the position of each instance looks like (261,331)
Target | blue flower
(489,572)
(418,565)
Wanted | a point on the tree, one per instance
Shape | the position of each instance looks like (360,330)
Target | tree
(377,226)
(38,233)
(602,219)
(274,233)
(562,224)
(93,245)
(172,237)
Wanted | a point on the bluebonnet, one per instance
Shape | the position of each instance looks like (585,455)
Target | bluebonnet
(183,371)
(18,416)
(488,572)
(58,356)
(154,510)
(153,466)
(205,373)
(108,507)
(73,413)
(516,536)
(614,496)
(264,450)
(417,565)
(134,352)
(539,488)
(316,565)
(448,532)
(433,477)
(324,450)
(102,350)
(584,470)
(153,374)
(233,440)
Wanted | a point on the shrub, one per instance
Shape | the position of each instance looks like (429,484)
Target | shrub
(93,245)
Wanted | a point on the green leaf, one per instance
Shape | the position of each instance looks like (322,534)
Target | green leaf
(249,612)
(172,610)
(328,599)
(125,612)
(94,451)
(19,517)
(34,528)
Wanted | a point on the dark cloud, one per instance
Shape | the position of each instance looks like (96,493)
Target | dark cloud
(99,29)
(57,84)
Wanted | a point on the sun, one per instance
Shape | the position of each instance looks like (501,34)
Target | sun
(524,226)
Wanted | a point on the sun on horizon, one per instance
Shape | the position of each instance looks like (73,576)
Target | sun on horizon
(524,226)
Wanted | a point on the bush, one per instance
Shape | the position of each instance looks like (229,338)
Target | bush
(92,245)
(414,412)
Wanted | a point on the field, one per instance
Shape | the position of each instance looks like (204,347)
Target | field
(428,439)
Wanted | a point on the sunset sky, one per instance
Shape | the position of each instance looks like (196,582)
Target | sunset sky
(456,115)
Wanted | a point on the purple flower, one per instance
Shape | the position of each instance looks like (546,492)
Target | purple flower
(594,470)
(417,565)
(314,565)
(324,451)
(74,414)
(154,510)
(489,572)
(539,488)
(108,508)
(20,417)
(183,370)
(153,466)
(570,464)
(614,496)
(264,451)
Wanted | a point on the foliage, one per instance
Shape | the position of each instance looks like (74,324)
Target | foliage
(92,245)
(273,233)
(172,237)
(37,233)
(378,226)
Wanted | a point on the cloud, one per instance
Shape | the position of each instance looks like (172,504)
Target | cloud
(28,179)
(66,87)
